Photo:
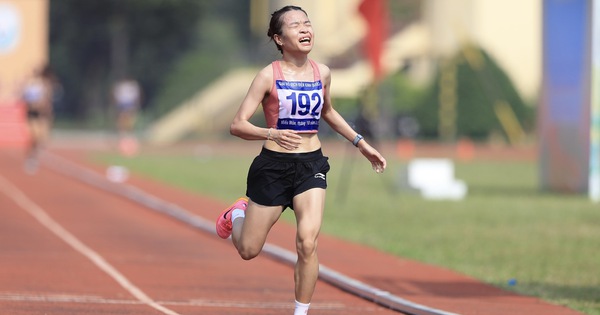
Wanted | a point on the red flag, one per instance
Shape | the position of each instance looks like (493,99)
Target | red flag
(375,14)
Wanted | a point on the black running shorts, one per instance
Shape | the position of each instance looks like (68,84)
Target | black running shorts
(275,178)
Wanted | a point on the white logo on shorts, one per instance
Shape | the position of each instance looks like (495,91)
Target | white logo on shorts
(320,175)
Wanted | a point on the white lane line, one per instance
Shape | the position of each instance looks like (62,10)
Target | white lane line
(94,299)
(263,305)
(39,214)
(62,298)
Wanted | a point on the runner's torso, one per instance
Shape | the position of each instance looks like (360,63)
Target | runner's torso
(295,105)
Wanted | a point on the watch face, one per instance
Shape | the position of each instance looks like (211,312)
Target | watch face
(10,27)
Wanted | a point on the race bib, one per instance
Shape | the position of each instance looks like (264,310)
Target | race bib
(300,105)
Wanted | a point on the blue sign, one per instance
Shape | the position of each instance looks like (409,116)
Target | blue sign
(566,51)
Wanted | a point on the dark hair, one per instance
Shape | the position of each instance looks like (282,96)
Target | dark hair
(276,22)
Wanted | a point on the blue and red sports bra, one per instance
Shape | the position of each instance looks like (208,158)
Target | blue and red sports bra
(294,105)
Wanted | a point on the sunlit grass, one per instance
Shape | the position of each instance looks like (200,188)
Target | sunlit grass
(505,228)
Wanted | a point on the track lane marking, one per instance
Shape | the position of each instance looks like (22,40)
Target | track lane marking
(94,299)
(42,217)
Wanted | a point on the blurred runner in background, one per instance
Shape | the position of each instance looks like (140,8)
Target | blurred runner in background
(127,98)
(38,96)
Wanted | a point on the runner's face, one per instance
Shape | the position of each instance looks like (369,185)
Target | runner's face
(297,32)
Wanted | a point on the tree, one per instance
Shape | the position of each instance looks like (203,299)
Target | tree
(94,42)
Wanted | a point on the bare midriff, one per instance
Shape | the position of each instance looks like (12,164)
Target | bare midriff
(310,143)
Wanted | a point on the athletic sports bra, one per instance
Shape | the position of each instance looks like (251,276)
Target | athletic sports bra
(294,105)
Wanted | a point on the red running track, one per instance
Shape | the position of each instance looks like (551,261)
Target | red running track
(70,248)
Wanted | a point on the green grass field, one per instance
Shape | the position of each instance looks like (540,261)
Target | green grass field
(505,228)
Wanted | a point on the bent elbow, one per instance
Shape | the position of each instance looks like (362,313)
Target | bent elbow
(234,129)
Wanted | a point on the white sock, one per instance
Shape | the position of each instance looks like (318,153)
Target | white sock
(301,308)
(237,213)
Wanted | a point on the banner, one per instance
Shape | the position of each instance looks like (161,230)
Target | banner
(594,173)
(564,115)
(375,14)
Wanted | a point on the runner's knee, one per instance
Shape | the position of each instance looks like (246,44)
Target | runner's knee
(306,248)
(248,252)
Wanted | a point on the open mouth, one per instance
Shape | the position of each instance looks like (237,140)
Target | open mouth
(305,40)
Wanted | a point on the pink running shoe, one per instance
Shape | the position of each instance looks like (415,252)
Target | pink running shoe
(224,224)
